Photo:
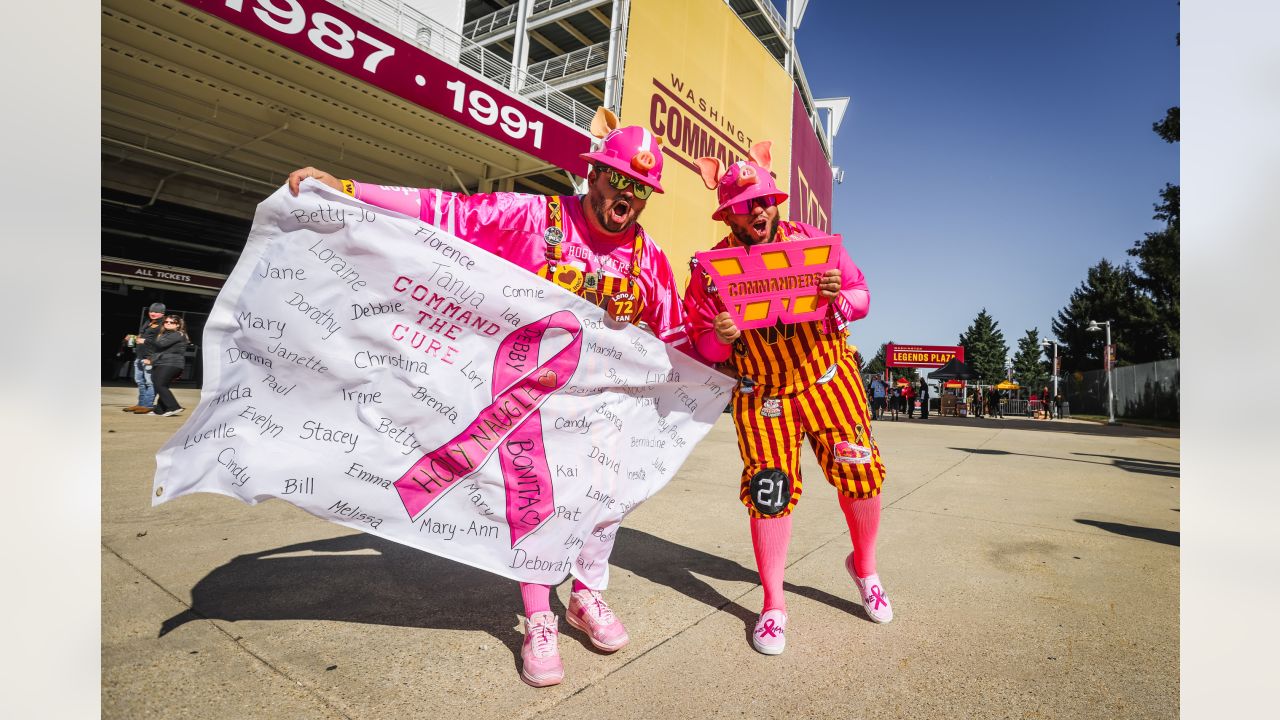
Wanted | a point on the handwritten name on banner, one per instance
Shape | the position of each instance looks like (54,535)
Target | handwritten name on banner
(771,283)
(377,373)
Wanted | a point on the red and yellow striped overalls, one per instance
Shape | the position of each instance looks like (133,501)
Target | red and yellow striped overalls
(798,382)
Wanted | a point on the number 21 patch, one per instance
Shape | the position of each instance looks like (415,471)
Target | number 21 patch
(771,408)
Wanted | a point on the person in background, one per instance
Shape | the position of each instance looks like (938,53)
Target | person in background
(796,382)
(147,332)
(593,246)
(1046,408)
(909,397)
(1057,402)
(878,397)
(167,359)
(977,402)
(993,403)
(924,399)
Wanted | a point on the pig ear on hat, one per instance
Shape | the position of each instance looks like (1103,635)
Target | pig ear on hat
(604,122)
(709,168)
(761,155)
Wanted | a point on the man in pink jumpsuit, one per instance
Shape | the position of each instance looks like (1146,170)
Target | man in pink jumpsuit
(591,245)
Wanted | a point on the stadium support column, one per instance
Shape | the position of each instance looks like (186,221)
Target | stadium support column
(795,12)
(617,55)
(520,51)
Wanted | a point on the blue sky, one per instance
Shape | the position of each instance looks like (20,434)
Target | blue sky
(992,151)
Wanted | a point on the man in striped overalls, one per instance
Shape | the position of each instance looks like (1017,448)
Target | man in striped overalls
(796,381)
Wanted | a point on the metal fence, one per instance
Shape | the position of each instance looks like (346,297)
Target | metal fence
(1148,390)
(448,45)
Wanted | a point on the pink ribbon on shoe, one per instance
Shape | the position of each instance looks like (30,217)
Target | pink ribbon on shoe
(769,628)
(878,595)
(511,424)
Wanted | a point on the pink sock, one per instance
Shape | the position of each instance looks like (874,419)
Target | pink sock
(577,585)
(863,517)
(537,598)
(770,538)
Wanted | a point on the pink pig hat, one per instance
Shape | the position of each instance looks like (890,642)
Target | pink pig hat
(743,180)
(631,150)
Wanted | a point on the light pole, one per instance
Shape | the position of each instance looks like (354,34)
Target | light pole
(1094,327)
(1047,342)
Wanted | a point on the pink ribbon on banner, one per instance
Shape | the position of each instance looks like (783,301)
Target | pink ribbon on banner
(510,424)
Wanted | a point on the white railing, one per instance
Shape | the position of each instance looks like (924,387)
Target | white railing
(496,20)
(441,41)
(771,11)
(579,61)
(504,18)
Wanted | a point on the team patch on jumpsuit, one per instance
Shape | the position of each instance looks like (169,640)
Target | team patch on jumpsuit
(771,408)
(846,453)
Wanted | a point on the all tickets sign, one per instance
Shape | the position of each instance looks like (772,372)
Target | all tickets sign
(921,356)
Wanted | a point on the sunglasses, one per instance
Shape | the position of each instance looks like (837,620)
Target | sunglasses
(620,182)
(170,322)
(744,207)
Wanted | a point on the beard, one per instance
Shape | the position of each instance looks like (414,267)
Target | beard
(747,236)
(602,209)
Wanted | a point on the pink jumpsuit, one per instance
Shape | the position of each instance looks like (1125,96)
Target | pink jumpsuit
(514,226)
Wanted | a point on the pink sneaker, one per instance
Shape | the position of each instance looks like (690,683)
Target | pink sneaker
(770,637)
(540,655)
(874,599)
(589,613)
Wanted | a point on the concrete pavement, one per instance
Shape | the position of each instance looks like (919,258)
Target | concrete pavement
(1033,567)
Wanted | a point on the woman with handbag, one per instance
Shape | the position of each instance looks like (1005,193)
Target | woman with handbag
(167,360)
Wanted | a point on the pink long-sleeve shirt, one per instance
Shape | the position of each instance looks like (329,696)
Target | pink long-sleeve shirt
(851,304)
(512,225)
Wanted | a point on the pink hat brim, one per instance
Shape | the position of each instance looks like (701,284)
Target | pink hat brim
(622,167)
(758,190)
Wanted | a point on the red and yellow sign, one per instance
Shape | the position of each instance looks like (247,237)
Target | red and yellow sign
(698,79)
(921,356)
(811,179)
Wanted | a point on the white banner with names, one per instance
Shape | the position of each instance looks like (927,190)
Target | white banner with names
(384,375)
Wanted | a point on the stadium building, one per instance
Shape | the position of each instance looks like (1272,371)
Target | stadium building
(207,105)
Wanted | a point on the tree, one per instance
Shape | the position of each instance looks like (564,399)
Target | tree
(1159,270)
(1168,127)
(1028,369)
(1108,293)
(876,364)
(985,350)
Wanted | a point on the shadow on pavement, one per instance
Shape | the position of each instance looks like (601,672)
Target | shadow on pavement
(366,579)
(1164,537)
(677,567)
(1151,467)
(1079,427)
(1134,465)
